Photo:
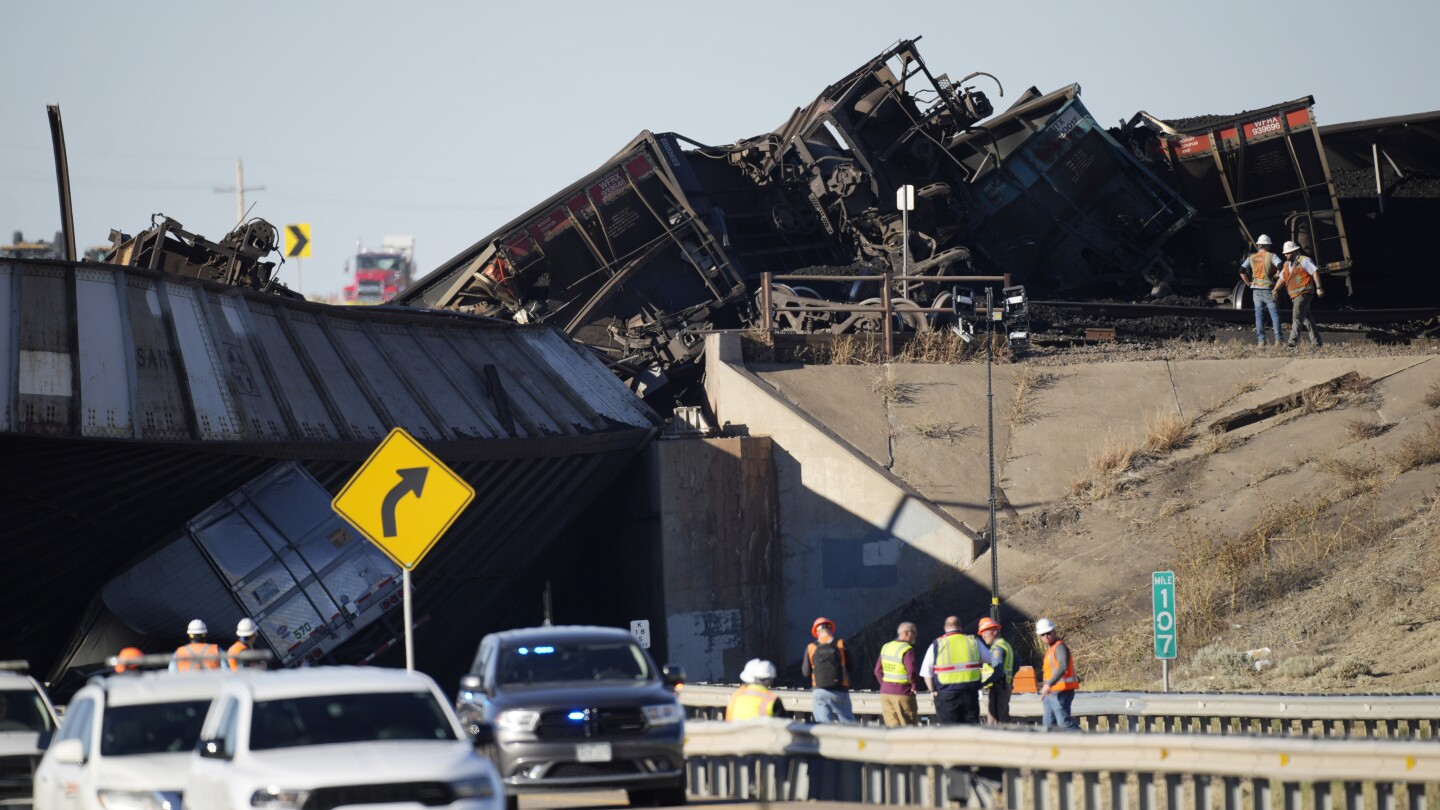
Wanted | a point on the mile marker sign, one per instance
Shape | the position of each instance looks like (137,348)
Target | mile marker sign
(1162,585)
(403,499)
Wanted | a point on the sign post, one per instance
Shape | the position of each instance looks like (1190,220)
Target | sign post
(1162,586)
(403,499)
(905,201)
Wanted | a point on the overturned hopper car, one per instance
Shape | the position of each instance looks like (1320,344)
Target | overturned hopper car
(671,237)
(1262,171)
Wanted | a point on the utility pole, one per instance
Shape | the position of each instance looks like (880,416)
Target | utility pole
(990,412)
(239,189)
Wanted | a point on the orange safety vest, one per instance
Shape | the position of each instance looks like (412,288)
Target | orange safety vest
(1260,269)
(750,702)
(208,656)
(237,647)
(1298,280)
(1068,681)
(844,669)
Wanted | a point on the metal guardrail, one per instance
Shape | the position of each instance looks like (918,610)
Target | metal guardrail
(771,760)
(1368,716)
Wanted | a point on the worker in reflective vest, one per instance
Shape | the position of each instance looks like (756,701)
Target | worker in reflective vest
(899,678)
(828,667)
(1258,273)
(999,678)
(244,642)
(198,654)
(952,670)
(1301,279)
(755,699)
(1057,689)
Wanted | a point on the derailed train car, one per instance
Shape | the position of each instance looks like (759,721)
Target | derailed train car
(1262,171)
(670,237)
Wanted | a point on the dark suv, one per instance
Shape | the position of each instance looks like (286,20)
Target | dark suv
(578,708)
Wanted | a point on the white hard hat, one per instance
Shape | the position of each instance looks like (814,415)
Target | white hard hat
(246,628)
(1263,240)
(756,670)
(1044,626)
(197,628)
(1289,246)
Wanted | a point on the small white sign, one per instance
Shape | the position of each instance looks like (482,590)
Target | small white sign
(905,198)
(640,629)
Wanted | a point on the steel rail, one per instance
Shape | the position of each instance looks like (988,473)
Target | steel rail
(772,759)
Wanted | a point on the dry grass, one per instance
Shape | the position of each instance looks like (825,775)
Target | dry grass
(1252,384)
(1213,443)
(1432,396)
(1360,429)
(1419,450)
(940,348)
(1174,506)
(1028,384)
(845,350)
(1166,431)
(1351,471)
(946,431)
(1108,461)
(892,391)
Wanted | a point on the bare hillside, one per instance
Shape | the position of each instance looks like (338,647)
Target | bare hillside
(1307,531)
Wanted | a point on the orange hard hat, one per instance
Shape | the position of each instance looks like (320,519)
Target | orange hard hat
(127,654)
(988,623)
(815,628)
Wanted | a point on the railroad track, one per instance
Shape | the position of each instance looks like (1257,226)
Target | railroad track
(1240,316)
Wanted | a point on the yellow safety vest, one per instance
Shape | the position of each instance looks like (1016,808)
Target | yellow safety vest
(1004,647)
(750,702)
(892,662)
(957,659)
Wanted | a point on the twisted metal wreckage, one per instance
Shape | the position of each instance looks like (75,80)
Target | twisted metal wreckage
(671,237)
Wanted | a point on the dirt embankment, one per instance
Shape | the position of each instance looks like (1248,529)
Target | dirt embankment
(1305,537)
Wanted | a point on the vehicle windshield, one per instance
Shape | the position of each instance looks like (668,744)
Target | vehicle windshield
(565,661)
(334,719)
(372,261)
(152,728)
(23,711)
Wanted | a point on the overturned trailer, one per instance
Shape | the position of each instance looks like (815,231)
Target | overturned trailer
(671,237)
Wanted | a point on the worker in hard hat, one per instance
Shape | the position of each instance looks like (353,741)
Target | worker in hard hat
(198,653)
(997,679)
(952,669)
(245,641)
(899,678)
(1301,280)
(755,699)
(829,668)
(1258,272)
(1057,690)
(128,660)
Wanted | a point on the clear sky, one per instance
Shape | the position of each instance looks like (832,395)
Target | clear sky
(446,120)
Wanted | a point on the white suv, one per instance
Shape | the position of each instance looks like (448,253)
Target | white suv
(26,715)
(329,737)
(125,742)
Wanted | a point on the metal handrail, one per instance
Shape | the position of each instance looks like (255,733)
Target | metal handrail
(771,759)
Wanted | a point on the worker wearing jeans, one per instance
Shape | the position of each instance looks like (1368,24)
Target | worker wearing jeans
(1057,691)
(1258,272)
